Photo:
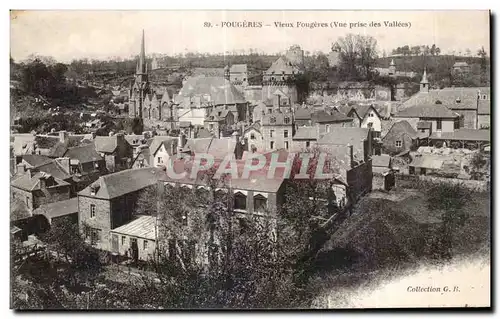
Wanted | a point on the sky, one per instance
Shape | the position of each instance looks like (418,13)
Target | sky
(67,35)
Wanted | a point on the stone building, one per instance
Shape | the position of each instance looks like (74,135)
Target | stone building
(277,130)
(110,201)
(115,150)
(400,138)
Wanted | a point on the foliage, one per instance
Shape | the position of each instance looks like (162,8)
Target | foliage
(358,54)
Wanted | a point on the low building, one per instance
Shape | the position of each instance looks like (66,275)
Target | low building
(110,201)
(305,137)
(441,118)
(65,210)
(326,120)
(136,239)
(360,138)
(35,188)
(400,138)
(462,138)
(115,150)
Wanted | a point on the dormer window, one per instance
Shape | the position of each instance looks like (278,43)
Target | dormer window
(458,100)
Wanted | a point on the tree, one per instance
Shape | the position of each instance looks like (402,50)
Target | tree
(357,56)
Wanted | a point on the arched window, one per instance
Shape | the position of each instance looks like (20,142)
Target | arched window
(240,201)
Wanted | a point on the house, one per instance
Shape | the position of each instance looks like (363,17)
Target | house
(441,118)
(238,75)
(367,116)
(109,202)
(117,152)
(219,121)
(461,67)
(136,239)
(400,138)
(469,102)
(206,93)
(35,188)
(381,163)
(302,116)
(161,149)
(142,157)
(360,138)
(277,131)
(425,164)
(305,137)
(326,120)
(254,138)
(58,211)
(483,112)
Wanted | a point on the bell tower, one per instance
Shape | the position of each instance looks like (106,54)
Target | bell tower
(424,84)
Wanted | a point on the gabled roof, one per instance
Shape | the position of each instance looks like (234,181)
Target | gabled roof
(106,144)
(158,141)
(282,64)
(123,182)
(427,111)
(216,90)
(31,181)
(218,115)
(84,154)
(36,160)
(303,114)
(404,126)
(322,116)
(55,169)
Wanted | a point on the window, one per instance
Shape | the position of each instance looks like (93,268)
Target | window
(123,240)
(92,211)
(485,97)
(210,126)
(95,235)
(27,201)
(160,160)
(273,120)
(240,201)
(287,119)
(13,196)
(308,144)
(259,203)
(145,244)
(399,143)
(328,128)
(271,145)
(271,133)
(422,130)
(285,133)
(286,144)
(439,125)
(96,164)
(252,136)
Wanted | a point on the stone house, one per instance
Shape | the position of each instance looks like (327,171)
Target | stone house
(400,138)
(115,150)
(35,188)
(277,131)
(442,119)
(327,120)
(58,211)
(305,137)
(253,136)
(162,148)
(136,239)
(109,202)
(219,121)
(367,116)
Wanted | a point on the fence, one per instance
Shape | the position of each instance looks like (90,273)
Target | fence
(422,181)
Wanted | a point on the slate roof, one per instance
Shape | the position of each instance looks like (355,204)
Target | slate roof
(134,139)
(306,133)
(158,141)
(36,160)
(32,182)
(427,161)
(142,227)
(57,209)
(448,97)
(217,116)
(282,64)
(84,154)
(218,147)
(344,135)
(464,134)
(427,111)
(220,90)
(406,127)
(303,114)
(55,169)
(123,182)
(326,117)
(106,144)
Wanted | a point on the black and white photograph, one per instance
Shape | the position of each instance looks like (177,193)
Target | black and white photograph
(249,159)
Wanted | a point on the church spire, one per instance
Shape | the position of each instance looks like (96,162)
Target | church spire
(141,65)
(424,84)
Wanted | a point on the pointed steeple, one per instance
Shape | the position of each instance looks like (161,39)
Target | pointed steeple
(141,65)
(424,84)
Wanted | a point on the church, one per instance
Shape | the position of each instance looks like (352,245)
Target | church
(154,106)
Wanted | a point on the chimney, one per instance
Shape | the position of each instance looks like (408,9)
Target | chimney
(64,162)
(21,168)
(120,138)
(63,137)
(43,180)
(351,155)
(389,109)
